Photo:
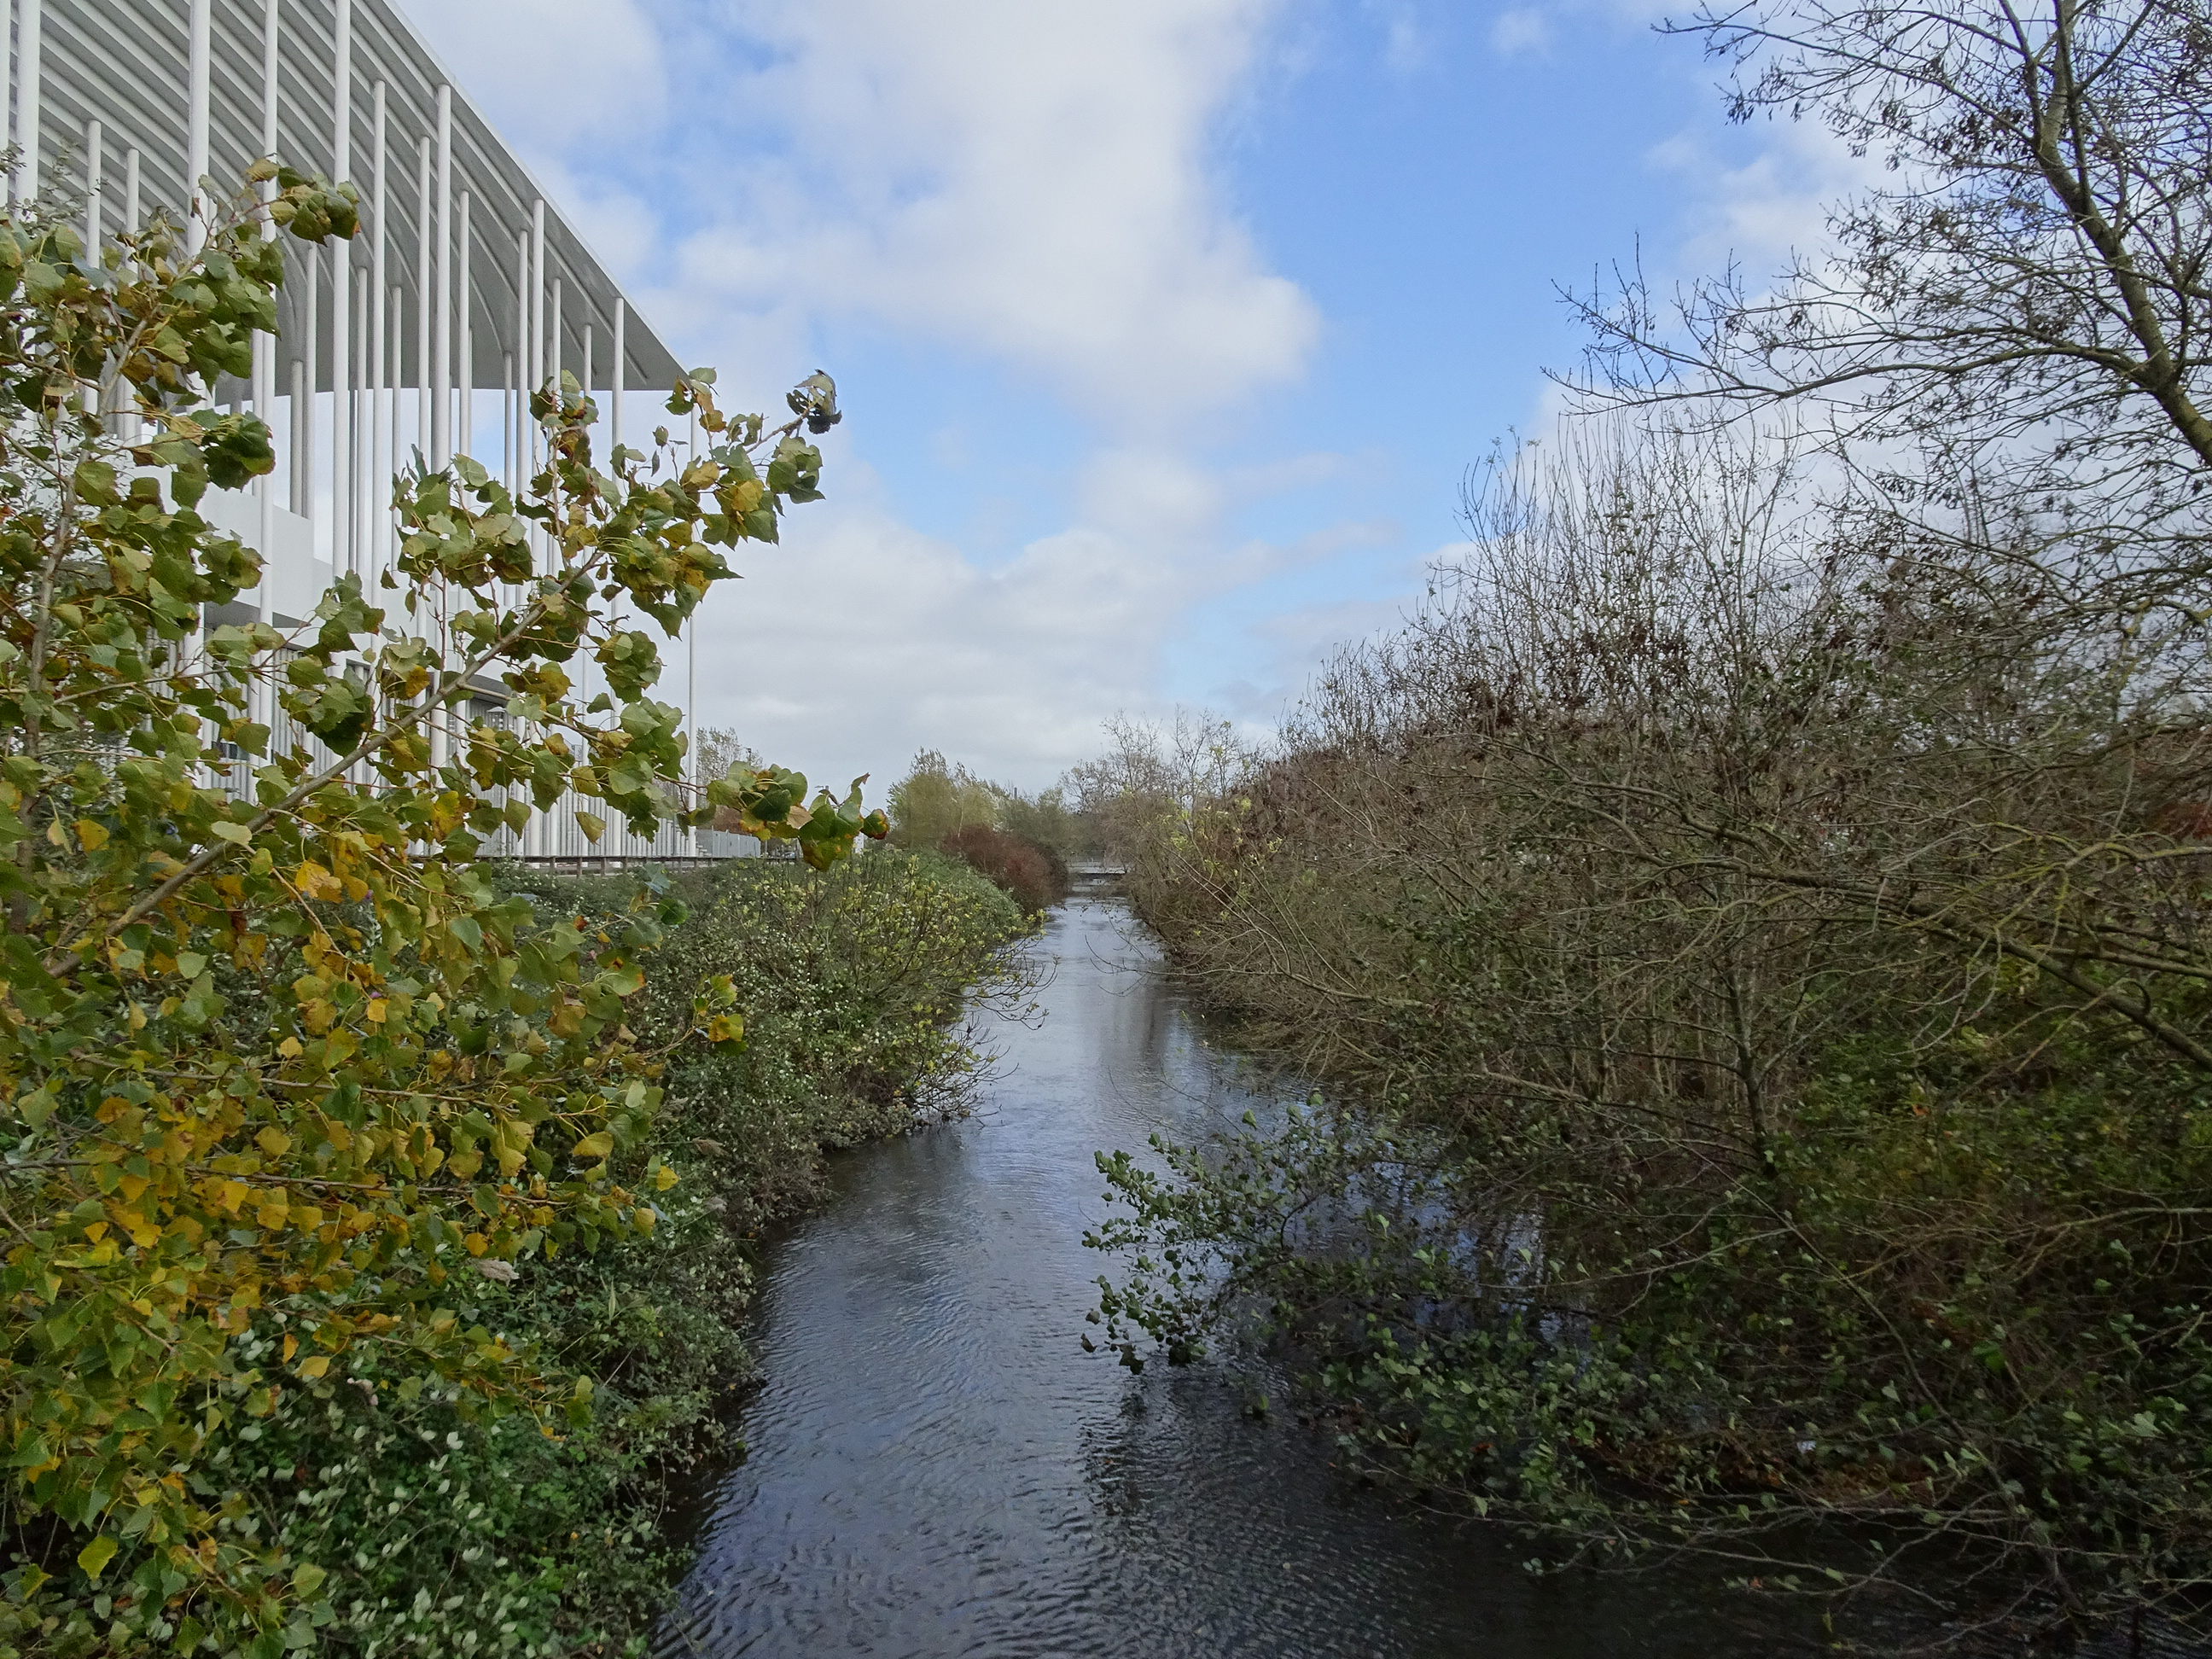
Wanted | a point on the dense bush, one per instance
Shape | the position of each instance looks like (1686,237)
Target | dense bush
(287,1078)
(1754,922)
(1765,1051)
(1035,877)
(438,1534)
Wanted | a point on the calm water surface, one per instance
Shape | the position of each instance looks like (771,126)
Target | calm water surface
(938,1470)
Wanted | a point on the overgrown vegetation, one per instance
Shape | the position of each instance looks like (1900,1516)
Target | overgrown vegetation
(1020,842)
(442,1535)
(1751,922)
(348,1302)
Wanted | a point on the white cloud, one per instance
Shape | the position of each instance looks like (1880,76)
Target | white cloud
(1407,46)
(1030,182)
(870,641)
(1521,30)
(1033,185)
(1762,211)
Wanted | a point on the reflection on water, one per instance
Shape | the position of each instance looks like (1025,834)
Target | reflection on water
(938,1470)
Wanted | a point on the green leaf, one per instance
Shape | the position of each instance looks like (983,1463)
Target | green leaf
(94,1556)
(592,825)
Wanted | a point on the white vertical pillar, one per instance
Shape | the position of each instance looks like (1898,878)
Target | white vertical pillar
(310,352)
(422,298)
(198,208)
(537,295)
(343,515)
(130,188)
(615,384)
(91,185)
(361,427)
(92,227)
(272,13)
(264,345)
(441,412)
(397,381)
(555,341)
(691,669)
(299,445)
(506,422)
(537,342)
(465,344)
(520,412)
(27,100)
(379,484)
(534,834)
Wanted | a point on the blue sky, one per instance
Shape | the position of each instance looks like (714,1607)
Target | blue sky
(1166,331)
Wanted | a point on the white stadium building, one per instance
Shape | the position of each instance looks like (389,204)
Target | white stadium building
(463,287)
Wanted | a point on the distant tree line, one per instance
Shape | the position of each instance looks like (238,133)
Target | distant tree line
(1021,843)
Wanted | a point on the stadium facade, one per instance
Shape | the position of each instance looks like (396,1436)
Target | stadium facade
(464,288)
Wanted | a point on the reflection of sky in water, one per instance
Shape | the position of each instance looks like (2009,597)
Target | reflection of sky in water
(938,1470)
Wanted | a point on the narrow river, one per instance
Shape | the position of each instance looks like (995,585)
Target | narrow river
(937,1467)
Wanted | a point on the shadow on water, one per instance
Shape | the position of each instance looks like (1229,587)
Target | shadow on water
(938,1470)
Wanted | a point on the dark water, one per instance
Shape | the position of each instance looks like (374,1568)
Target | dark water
(938,1470)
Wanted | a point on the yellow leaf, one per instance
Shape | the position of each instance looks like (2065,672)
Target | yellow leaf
(291,1345)
(94,1556)
(663,1179)
(274,1141)
(317,882)
(315,1367)
(91,834)
(273,1213)
(595,1147)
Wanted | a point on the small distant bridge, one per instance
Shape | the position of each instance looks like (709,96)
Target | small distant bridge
(1093,879)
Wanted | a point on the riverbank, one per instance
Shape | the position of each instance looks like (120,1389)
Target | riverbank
(444,1533)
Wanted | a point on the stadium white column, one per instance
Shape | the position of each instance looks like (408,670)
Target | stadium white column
(441,371)
(92,183)
(379,458)
(310,353)
(344,515)
(691,669)
(265,354)
(537,299)
(28,76)
(422,297)
(465,343)
(518,410)
(615,382)
(197,207)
